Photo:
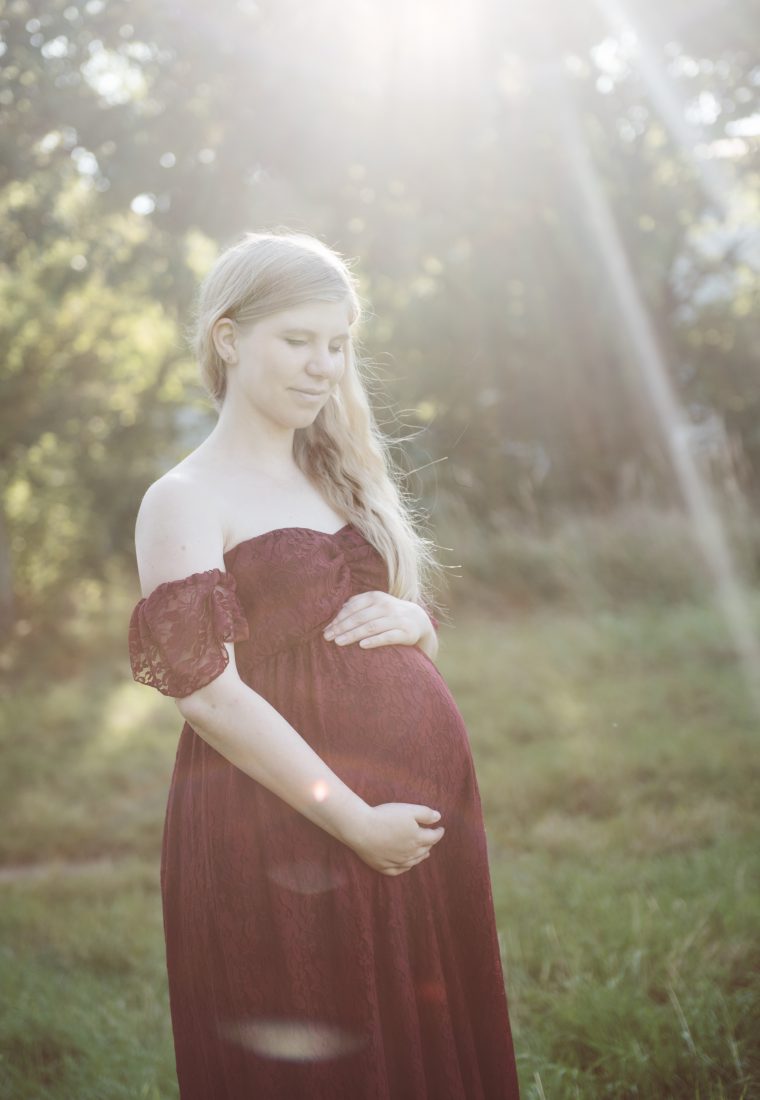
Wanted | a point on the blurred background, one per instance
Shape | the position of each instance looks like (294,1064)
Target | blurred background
(554,214)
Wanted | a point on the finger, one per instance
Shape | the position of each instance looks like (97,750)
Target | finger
(406,866)
(417,857)
(386,637)
(415,862)
(351,627)
(356,630)
(410,861)
(437,838)
(360,602)
(343,622)
(354,609)
(367,629)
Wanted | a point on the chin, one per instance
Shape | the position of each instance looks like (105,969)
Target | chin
(308,412)
(300,419)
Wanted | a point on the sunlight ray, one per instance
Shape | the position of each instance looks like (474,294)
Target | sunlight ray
(717,179)
(705,516)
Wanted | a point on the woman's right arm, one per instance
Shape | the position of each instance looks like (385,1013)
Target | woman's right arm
(244,727)
(174,539)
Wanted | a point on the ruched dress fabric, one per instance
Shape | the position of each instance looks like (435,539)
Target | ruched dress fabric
(296,971)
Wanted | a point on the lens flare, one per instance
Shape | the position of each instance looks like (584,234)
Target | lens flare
(306,876)
(319,790)
(292,1040)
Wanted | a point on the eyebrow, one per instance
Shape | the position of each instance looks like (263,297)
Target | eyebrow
(310,332)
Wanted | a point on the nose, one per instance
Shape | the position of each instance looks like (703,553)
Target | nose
(325,364)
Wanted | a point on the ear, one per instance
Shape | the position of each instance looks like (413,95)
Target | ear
(223,334)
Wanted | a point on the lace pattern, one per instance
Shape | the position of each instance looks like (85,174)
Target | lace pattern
(177,633)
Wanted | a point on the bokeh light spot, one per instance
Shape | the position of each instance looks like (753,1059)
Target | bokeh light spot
(293,1040)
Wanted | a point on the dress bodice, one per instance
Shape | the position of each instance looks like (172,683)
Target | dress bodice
(292,581)
(277,590)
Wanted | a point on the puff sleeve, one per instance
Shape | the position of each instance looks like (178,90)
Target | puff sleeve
(177,633)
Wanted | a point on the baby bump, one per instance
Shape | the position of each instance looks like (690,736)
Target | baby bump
(382,718)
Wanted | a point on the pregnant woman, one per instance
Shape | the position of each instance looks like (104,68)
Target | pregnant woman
(329,922)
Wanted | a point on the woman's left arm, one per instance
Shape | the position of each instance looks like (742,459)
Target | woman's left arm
(378,618)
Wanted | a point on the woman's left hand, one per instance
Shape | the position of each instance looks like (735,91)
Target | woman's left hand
(378,618)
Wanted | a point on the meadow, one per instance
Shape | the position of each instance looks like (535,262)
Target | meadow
(617,755)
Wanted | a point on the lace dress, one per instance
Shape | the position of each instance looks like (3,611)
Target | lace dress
(295,970)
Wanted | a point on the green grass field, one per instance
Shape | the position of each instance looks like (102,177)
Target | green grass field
(619,766)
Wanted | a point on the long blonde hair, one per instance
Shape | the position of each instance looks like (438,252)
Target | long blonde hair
(343,452)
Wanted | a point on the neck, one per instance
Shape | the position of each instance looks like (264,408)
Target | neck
(249,441)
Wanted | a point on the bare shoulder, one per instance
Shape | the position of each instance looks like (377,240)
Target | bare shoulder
(178,529)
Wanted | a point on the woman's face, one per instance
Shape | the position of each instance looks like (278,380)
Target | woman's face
(288,364)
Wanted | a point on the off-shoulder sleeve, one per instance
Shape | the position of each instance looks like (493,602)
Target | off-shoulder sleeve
(177,633)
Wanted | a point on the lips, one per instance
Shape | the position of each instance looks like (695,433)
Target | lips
(312,393)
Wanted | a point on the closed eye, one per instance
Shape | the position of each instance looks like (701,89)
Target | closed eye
(299,343)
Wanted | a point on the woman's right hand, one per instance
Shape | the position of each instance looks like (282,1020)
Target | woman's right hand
(395,836)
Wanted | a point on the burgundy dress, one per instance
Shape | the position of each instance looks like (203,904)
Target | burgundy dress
(296,971)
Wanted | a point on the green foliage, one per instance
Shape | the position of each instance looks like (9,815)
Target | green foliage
(634,555)
(136,144)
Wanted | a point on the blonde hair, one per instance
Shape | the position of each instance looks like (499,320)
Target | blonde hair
(343,452)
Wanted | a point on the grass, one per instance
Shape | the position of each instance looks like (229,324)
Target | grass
(619,766)
(85,1005)
(618,763)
